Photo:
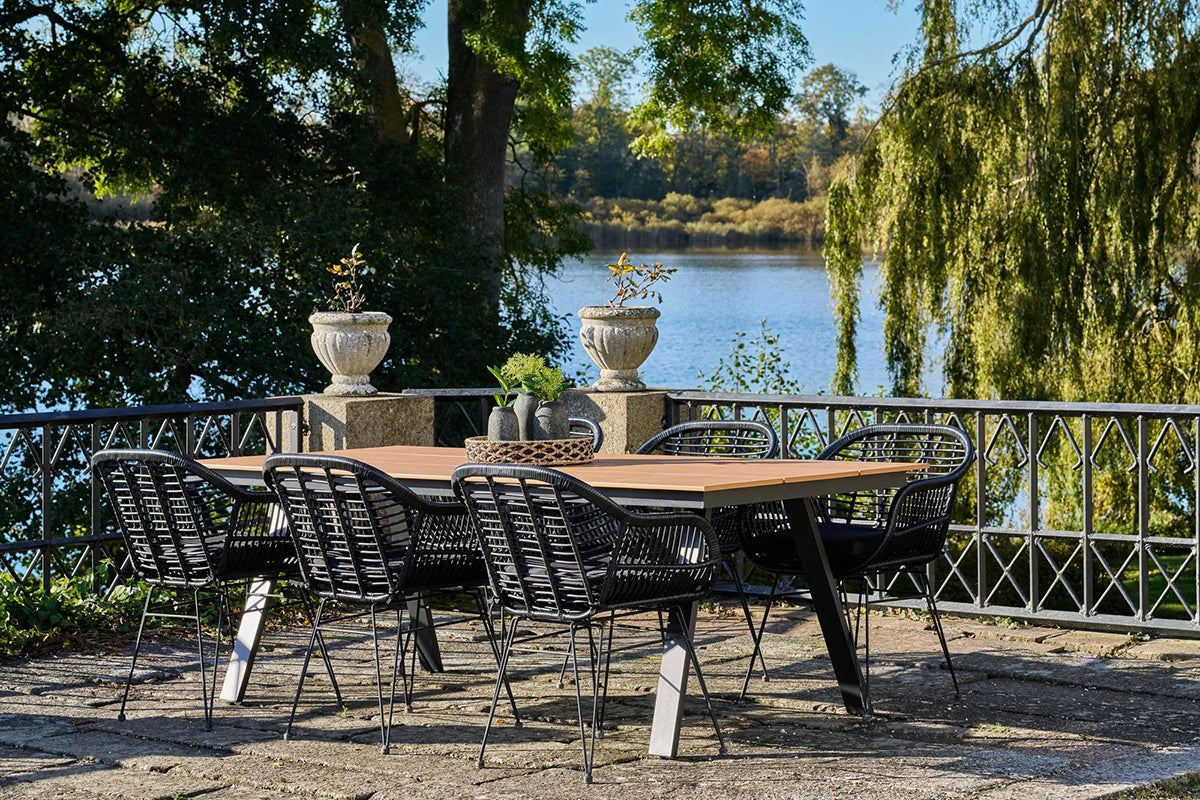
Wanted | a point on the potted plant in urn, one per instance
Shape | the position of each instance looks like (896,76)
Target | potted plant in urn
(349,342)
(618,337)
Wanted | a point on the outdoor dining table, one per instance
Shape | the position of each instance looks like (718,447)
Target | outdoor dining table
(681,482)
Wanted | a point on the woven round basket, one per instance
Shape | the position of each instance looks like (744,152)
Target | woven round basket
(544,453)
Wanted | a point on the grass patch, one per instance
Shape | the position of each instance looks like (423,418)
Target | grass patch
(1187,785)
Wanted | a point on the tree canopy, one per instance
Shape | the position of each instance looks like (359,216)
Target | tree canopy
(178,176)
(1036,204)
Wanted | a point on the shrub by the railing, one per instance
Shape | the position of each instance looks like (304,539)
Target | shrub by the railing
(33,620)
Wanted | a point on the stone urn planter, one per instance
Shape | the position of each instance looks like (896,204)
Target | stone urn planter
(619,339)
(350,346)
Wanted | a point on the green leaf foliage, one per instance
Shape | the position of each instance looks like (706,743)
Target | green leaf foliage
(1036,201)
(752,365)
(716,63)
(176,182)
(34,620)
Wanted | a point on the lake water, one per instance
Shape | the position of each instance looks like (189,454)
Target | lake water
(716,293)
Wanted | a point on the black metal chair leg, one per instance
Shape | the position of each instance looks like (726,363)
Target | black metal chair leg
(485,614)
(937,625)
(206,696)
(223,611)
(501,676)
(741,593)
(758,638)
(312,641)
(384,715)
(324,648)
(228,613)
(397,669)
(607,662)
(137,645)
(414,626)
(691,651)
(596,653)
(583,742)
(865,605)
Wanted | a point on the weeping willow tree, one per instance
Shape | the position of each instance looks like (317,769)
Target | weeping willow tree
(1036,202)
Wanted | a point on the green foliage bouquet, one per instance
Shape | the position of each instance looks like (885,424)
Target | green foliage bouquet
(533,375)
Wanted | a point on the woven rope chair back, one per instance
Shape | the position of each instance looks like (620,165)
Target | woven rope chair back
(546,538)
(723,438)
(920,519)
(173,514)
(942,449)
(352,525)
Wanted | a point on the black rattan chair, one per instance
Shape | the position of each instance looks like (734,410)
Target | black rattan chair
(725,439)
(365,539)
(875,532)
(185,527)
(558,551)
(585,428)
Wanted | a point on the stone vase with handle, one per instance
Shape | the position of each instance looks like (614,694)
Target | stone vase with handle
(619,339)
(350,346)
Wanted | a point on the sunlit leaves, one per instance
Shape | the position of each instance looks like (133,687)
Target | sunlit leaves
(724,64)
(1037,201)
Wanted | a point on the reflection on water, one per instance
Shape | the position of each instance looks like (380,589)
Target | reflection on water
(716,293)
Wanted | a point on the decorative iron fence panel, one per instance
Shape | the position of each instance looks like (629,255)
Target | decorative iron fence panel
(458,413)
(1079,513)
(53,521)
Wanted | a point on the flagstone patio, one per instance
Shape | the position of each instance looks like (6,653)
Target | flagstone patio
(1044,713)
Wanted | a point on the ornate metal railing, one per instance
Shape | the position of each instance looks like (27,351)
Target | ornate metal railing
(458,413)
(1081,513)
(52,518)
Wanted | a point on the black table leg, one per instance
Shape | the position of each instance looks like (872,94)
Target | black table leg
(803,523)
(426,636)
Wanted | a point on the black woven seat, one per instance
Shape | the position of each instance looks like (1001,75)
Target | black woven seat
(722,439)
(876,531)
(366,540)
(558,551)
(185,527)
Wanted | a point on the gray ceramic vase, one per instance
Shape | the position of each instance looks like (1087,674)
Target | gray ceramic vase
(525,407)
(551,421)
(502,425)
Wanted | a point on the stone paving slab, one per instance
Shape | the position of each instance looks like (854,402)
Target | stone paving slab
(1044,713)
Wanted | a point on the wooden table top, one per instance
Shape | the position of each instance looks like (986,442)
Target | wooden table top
(651,475)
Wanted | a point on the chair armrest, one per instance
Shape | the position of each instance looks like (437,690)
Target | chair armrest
(659,559)
(921,502)
(917,522)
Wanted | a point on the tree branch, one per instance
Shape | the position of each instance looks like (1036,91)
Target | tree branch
(1038,19)
(13,18)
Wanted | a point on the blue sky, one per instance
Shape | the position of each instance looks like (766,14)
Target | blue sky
(862,36)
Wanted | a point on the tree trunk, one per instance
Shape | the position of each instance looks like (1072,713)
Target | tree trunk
(479,112)
(374,58)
